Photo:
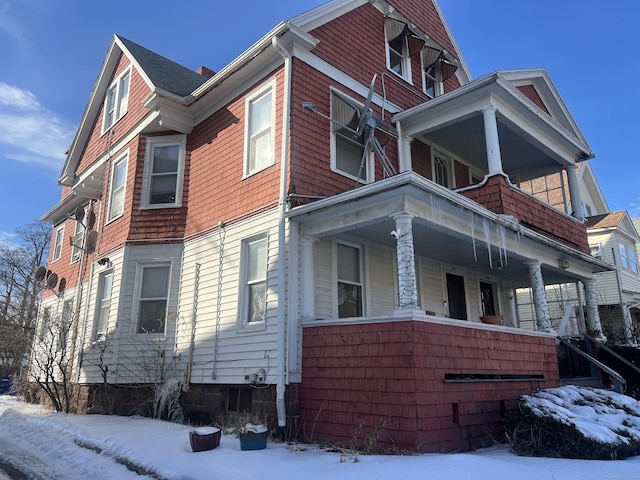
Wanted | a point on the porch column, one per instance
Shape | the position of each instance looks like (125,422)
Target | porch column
(512,310)
(494,159)
(405,163)
(307,279)
(407,285)
(593,317)
(543,318)
(574,193)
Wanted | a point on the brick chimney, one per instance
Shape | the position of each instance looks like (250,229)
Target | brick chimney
(206,72)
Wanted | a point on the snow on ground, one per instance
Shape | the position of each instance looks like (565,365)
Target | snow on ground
(46,445)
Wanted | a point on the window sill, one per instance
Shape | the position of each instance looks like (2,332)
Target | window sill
(252,327)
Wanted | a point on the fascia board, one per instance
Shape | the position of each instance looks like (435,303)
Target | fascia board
(322,14)
(91,110)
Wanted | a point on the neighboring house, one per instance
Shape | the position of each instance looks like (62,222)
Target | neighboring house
(288,241)
(614,239)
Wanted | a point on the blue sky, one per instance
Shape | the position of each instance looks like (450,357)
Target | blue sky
(52,52)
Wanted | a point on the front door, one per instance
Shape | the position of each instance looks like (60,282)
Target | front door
(456,296)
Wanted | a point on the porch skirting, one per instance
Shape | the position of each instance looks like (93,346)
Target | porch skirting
(418,385)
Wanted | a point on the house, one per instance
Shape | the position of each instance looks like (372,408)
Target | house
(314,232)
(613,237)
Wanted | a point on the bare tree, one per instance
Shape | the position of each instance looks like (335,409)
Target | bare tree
(20,293)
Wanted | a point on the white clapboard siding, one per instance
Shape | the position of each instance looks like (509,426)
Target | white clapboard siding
(221,345)
(430,282)
(380,276)
(99,353)
(324,278)
(132,351)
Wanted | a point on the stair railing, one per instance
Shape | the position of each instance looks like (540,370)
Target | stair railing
(619,383)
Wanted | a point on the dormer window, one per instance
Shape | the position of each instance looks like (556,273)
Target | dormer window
(116,100)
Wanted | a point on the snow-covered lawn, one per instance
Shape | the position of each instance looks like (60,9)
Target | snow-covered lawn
(53,446)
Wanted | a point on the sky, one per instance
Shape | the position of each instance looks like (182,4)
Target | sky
(51,54)
(56,446)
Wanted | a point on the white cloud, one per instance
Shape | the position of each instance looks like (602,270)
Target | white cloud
(29,132)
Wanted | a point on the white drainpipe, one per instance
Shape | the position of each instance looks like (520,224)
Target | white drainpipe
(284,168)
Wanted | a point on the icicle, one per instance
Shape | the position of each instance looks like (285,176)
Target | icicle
(502,237)
(487,238)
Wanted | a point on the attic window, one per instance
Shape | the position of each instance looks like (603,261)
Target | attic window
(436,69)
(402,44)
(116,100)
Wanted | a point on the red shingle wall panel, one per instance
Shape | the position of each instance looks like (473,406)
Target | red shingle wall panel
(392,374)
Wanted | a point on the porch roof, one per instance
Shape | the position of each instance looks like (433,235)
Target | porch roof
(534,141)
(447,227)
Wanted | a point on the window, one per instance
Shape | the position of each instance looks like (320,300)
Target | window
(118,183)
(398,57)
(164,170)
(76,249)
(103,303)
(442,170)
(153,293)
(432,80)
(66,321)
(116,100)
(348,153)
(628,257)
(45,323)
(255,280)
(259,131)
(57,246)
(349,281)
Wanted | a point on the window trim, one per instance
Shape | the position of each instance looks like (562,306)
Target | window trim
(244,324)
(597,247)
(151,144)
(99,333)
(124,158)
(58,244)
(438,84)
(116,87)
(450,167)
(361,283)
(406,74)
(333,148)
(140,267)
(268,88)
(628,257)
(76,247)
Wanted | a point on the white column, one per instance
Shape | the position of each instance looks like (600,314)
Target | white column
(307,280)
(494,159)
(543,318)
(512,311)
(405,163)
(407,285)
(593,317)
(574,193)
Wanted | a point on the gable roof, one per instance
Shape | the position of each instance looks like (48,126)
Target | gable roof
(162,72)
(619,220)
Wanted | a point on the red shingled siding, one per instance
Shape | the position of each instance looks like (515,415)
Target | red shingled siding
(363,31)
(356,375)
(532,94)
(215,190)
(310,136)
(499,197)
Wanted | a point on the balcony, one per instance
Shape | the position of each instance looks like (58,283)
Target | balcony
(498,195)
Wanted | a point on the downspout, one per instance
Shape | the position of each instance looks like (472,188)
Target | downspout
(284,169)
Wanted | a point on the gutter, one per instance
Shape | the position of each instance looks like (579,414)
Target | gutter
(282,220)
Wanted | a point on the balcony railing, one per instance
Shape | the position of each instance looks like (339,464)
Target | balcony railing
(499,196)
